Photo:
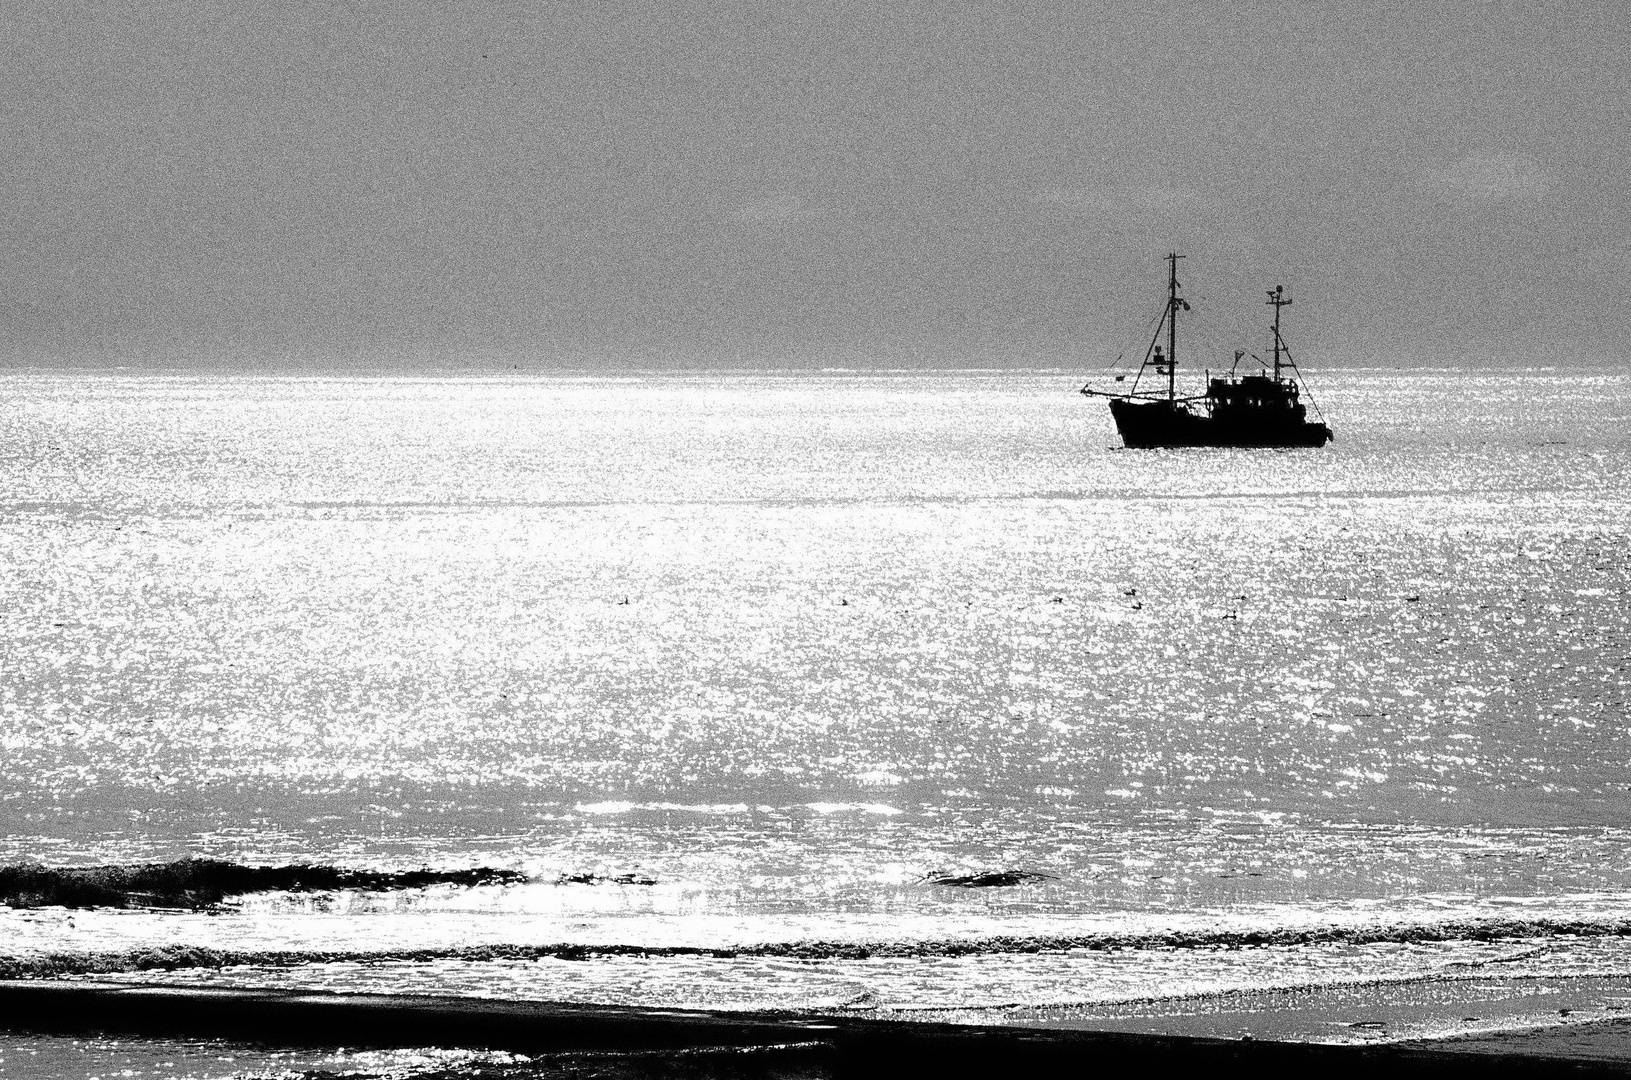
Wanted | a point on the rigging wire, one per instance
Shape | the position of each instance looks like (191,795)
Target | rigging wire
(1308,391)
(1152,325)
(1207,324)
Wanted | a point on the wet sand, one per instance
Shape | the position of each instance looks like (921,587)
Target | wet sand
(559,1039)
(1598,1041)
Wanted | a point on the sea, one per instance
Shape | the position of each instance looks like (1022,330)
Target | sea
(905,694)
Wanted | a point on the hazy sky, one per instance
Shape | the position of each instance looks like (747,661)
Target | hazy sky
(782,182)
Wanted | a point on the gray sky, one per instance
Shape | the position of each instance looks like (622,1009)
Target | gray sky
(783,182)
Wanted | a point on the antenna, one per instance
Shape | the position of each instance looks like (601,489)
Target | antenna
(1278,298)
(1173,303)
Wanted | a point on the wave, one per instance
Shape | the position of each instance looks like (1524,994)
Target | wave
(173,957)
(196,883)
(988,879)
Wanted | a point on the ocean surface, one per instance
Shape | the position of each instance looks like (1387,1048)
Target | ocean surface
(910,694)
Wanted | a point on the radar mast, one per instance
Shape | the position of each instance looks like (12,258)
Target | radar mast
(1278,298)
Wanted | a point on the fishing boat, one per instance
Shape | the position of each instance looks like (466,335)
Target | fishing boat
(1263,408)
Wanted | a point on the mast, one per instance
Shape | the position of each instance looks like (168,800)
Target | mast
(1279,299)
(1172,326)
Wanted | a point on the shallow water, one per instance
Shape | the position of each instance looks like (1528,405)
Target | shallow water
(43,1057)
(791,644)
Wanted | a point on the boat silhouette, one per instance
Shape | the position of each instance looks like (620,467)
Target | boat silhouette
(1236,410)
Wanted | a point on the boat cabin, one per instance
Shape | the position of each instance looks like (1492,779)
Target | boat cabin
(1253,395)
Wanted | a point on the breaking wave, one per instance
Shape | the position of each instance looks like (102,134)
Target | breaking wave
(174,957)
(194,883)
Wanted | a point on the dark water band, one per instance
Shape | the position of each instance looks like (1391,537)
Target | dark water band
(197,883)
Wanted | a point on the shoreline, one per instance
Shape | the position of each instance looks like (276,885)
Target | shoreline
(830,1045)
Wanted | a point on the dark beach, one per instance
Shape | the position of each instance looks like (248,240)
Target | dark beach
(555,1040)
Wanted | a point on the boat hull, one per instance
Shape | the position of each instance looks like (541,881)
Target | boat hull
(1147,425)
